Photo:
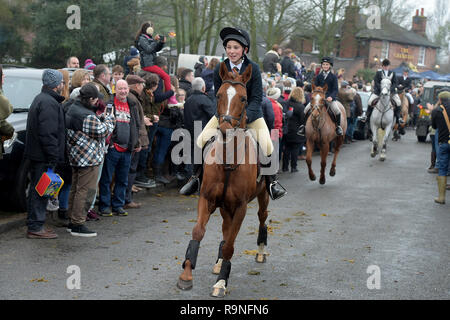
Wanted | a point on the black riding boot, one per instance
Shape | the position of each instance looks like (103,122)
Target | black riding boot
(368,114)
(301,129)
(274,188)
(193,185)
(339,130)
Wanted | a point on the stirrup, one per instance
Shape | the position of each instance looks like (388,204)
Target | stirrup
(282,193)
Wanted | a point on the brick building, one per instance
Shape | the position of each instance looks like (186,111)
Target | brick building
(358,47)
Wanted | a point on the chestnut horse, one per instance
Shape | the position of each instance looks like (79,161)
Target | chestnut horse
(229,185)
(320,131)
(403,113)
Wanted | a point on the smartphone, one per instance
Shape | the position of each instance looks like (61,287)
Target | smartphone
(109,107)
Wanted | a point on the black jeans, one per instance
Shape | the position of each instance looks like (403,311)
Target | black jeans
(290,155)
(37,205)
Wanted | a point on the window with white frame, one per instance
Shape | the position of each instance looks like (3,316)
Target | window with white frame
(315,46)
(421,56)
(385,50)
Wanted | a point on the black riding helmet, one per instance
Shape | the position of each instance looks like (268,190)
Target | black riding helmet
(327,59)
(237,34)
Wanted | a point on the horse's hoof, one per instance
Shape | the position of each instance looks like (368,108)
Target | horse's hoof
(382,157)
(185,285)
(218,293)
(260,258)
(312,178)
(219,289)
(332,172)
(373,154)
(322,181)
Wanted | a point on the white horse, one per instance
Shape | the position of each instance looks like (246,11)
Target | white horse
(382,119)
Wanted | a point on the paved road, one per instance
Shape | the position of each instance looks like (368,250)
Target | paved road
(322,241)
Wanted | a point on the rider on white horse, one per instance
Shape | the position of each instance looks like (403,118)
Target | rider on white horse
(385,73)
(329,78)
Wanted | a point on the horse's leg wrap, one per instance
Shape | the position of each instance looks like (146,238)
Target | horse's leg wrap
(224,271)
(191,253)
(220,254)
(262,235)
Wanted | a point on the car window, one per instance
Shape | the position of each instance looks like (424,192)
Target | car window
(21,91)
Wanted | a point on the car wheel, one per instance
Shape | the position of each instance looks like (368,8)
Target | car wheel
(20,192)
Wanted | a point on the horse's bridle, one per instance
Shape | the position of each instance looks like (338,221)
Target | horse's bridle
(227,117)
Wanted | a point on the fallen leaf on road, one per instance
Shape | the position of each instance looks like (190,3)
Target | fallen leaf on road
(39,280)
(254,273)
(251,252)
(349,260)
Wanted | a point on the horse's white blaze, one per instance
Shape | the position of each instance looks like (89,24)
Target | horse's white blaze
(231,92)
(317,99)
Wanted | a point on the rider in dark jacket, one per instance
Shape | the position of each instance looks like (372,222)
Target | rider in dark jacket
(237,61)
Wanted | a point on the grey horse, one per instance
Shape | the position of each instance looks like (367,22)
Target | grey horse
(382,118)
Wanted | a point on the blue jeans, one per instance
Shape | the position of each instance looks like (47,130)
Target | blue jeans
(135,157)
(36,205)
(163,141)
(118,163)
(143,155)
(350,127)
(436,147)
(444,158)
(63,196)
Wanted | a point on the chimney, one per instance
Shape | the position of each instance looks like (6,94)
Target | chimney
(348,42)
(419,23)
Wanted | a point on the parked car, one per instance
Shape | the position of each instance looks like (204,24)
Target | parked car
(20,87)
(361,125)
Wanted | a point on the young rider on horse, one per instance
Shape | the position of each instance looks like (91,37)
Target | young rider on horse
(326,77)
(377,90)
(237,44)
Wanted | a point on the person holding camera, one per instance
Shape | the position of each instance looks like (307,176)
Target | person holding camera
(86,134)
(148,46)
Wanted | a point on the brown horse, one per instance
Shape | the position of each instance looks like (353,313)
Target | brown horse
(229,185)
(320,131)
(403,114)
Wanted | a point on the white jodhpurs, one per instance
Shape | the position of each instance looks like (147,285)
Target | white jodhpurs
(260,133)
(333,106)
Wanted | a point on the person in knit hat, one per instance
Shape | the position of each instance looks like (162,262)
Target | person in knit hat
(89,64)
(44,148)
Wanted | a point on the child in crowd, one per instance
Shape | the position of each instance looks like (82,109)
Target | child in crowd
(117,74)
